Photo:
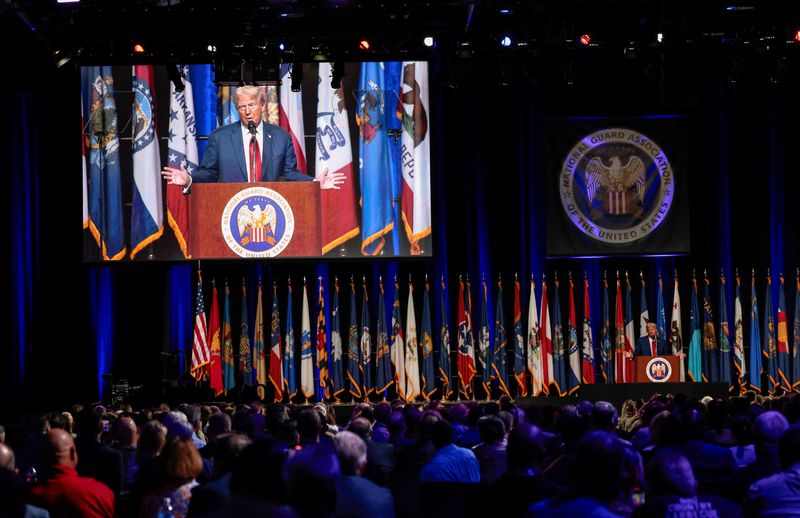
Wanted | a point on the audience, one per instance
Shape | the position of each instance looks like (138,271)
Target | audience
(450,463)
(355,495)
(779,494)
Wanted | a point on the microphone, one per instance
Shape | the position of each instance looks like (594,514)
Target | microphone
(251,127)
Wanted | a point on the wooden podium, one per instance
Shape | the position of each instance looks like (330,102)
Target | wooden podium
(643,363)
(207,202)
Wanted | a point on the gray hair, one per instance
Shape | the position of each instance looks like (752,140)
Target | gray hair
(769,427)
(351,450)
(249,90)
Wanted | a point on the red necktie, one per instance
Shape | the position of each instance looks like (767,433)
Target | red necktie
(255,160)
(653,346)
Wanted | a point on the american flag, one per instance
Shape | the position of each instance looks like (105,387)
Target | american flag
(201,355)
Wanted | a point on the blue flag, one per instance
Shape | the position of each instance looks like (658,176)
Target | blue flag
(724,335)
(383,367)
(354,368)
(695,340)
(755,340)
(426,346)
(796,344)
(289,361)
(366,344)
(375,164)
(770,349)
(710,361)
(483,343)
(606,358)
(228,367)
(204,97)
(558,346)
(519,343)
(337,375)
(104,190)
(573,354)
(500,343)
(444,346)
(661,314)
(245,352)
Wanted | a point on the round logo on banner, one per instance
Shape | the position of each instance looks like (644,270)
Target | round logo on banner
(257,222)
(616,185)
(658,370)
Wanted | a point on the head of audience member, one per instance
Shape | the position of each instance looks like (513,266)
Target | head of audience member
(57,420)
(694,424)
(7,460)
(382,412)
(604,416)
(670,474)
(441,434)
(180,461)
(309,426)
(491,429)
(457,413)
(584,408)
(425,427)
(525,450)
(313,467)
(59,449)
(628,409)
(287,435)
(507,419)
(227,449)
(352,453)
(193,416)
(242,422)
(742,429)
(768,429)
(599,466)
(35,424)
(177,424)
(258,472)
(124,432)
(218,424)
(152,438)
(789,447)
(361,427)
(396,424)
(572,427)
(506,403)
(473,414)
(12,494)
(276,414)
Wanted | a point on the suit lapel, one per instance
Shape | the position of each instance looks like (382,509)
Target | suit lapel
(238,147)
(266,152)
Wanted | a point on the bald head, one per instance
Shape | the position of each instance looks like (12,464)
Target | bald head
(59,449)
(7,457)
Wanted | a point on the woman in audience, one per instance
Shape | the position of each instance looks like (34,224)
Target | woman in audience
(180,464)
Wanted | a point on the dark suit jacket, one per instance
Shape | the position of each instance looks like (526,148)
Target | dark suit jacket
(643,347)
(224,159)
(357,497)
(380,462)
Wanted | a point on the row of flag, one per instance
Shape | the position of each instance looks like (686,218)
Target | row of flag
(394,174)
(544,357)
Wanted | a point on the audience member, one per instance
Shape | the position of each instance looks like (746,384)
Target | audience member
(380,455)
(779,494)
(98,460)
(180,464)
(313,469)
(491,451)
(450,463)
(355,495)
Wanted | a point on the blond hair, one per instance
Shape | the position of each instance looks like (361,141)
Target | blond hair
(249,90)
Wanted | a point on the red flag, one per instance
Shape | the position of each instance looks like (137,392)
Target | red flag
(466,348)
(200,352)
(215,366)
(619,339)
(546,339)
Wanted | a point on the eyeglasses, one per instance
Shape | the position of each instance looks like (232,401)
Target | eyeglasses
(243,107)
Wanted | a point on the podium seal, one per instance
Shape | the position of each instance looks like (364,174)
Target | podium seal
(257,222)
(658,370)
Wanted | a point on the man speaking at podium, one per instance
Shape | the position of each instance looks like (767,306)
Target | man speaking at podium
(250,150)
(651,345)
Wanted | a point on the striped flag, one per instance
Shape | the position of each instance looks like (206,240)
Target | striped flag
(484,345)
(335,155)
(322,347)
(411,360)
(415,152)
(559,374)
(291,115)
(644,314)
(353,349)
(784,375)
(519,343)
(147,213)
(83,164)
(337,348)
(259,352)
(104,184)
(630,338)
(545,341)
(200,351)
(398,345)
(606,358)
(306,354)
(710,362)
(769,346)
(289,361)
(587,356)
(796,344)
(500,343)
(724,334)
(228,367)
(573,376)
(215,364)
(245,353)
(275,353)
(695,370)
(426,346)
(444,345)
(383,367)
(676,327)
(374,164)
(738,339)
(181,151)
(466,347)
(755,338)
(535,360)
(365,343)
(619,338)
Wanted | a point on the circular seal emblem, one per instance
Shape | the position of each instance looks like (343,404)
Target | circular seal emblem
(616,185)
(257,222)
(658,370)
(143,122)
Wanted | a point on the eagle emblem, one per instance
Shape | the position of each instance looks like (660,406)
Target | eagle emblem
(256,225)
(619,188)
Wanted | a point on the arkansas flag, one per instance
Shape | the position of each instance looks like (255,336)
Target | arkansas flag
(291,116)
(334,155)
(415,154)
(181,151)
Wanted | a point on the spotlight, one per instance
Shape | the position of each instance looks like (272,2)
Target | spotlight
(505,11)
(586,39)
(660,37)
(138,48)
(364,44)
(337,73)
(212,48)
(282,46)
(797,36)
(506,41)
(428,41)
(297,76)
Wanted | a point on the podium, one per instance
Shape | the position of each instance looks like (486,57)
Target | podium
(657,369)
(207,205)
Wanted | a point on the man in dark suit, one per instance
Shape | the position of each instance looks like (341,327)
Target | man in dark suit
(357,496)
(250,150)
(651,345)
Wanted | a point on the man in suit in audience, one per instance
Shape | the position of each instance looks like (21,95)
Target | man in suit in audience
(355,495)
(380,455)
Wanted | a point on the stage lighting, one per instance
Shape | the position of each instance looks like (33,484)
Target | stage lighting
(586,39)
(505,11)
(364,44)
(506,41)
(337,73)
(797,36)
(282,46)
(428,41)
(212,48)
(660,37)
(297,76)
(138,48)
